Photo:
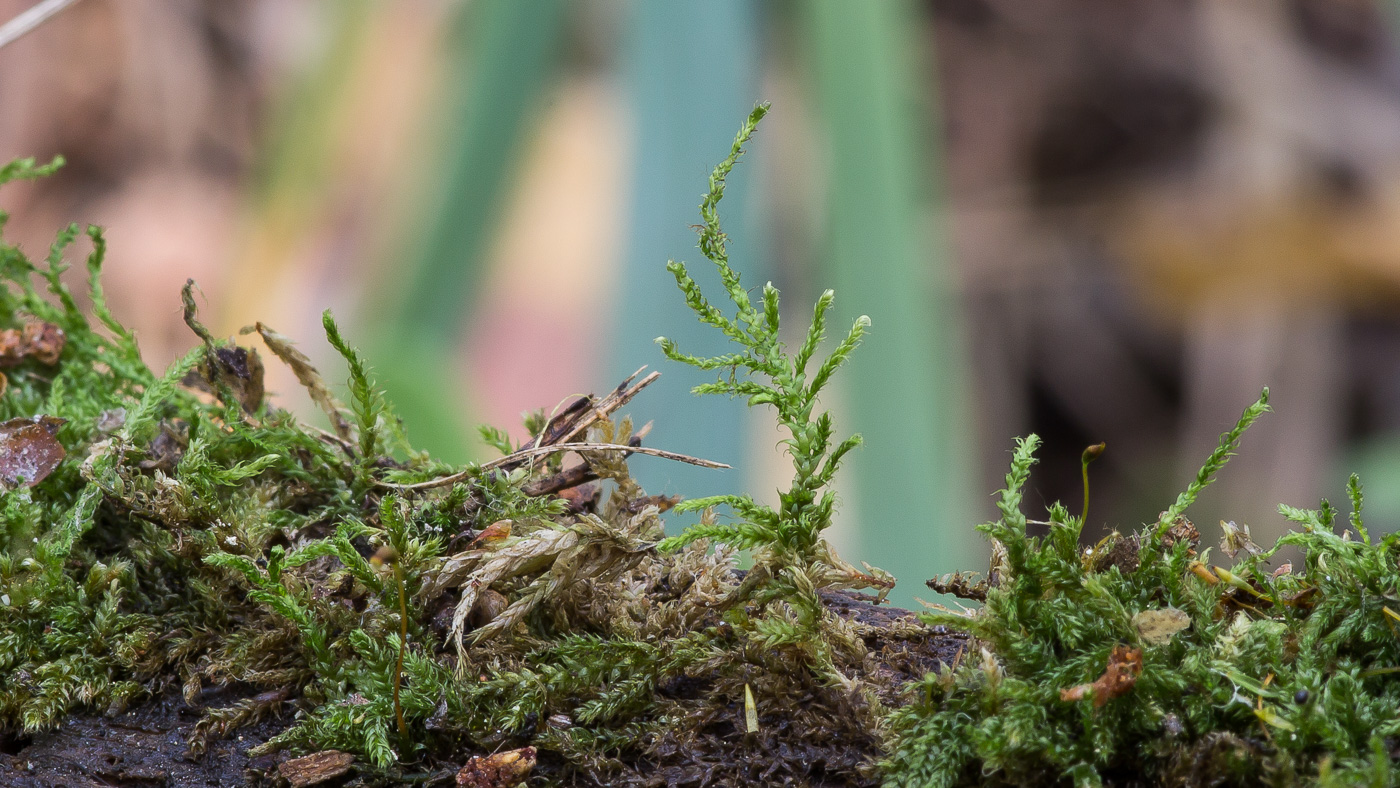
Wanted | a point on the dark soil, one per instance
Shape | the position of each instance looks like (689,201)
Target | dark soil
(147,746)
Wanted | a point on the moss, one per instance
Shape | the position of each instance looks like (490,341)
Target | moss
(1165,669)
(178,532)
(412,613)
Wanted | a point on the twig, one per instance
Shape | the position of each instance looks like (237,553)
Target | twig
(525,454)
(31,18)
(583,412)
(570,477)
(540,451)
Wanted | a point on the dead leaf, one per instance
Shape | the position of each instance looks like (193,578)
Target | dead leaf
(1157,627)
(45,341)
(38,340)
(1182,530)
(316,768)
(1124,667)
(1236,538)
(238,368)
(583,498)
(492,534)
(501,770)
(28,450)
(167,448)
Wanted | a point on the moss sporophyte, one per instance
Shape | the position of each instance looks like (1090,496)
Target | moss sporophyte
(344,595)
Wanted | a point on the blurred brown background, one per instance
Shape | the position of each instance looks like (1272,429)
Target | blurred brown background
(1092,219)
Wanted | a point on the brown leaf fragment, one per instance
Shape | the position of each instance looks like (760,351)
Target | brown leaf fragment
(307,375)
(316,768)
(663,503)
(1124,667)
(29,451)
(502,770)
(45,341)
(238,368)
(12,349)
(492,534)
(1182,530)
(1237,538)
(583,498)
(167,448)
(488,606)
(38,340)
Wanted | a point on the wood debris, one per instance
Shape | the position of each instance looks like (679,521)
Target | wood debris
(501,770)
(316,768)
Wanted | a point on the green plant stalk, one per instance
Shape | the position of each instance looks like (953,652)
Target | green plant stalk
(403,645)
(791,559)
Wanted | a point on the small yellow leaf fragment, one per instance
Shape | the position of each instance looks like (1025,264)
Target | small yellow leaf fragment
(1272,718)
(1157,627)
(750,710)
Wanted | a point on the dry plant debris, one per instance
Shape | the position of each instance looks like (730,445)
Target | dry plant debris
(1124,666)
(499,770)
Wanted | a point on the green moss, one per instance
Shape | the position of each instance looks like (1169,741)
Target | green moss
(1280,678)
(791,560)
(408,611)
(413,613)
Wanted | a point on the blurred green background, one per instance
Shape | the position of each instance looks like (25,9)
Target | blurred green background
(1096,221)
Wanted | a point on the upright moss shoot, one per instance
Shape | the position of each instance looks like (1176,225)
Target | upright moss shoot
(791,559)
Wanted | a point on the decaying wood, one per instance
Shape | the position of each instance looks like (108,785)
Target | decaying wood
(316,769)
